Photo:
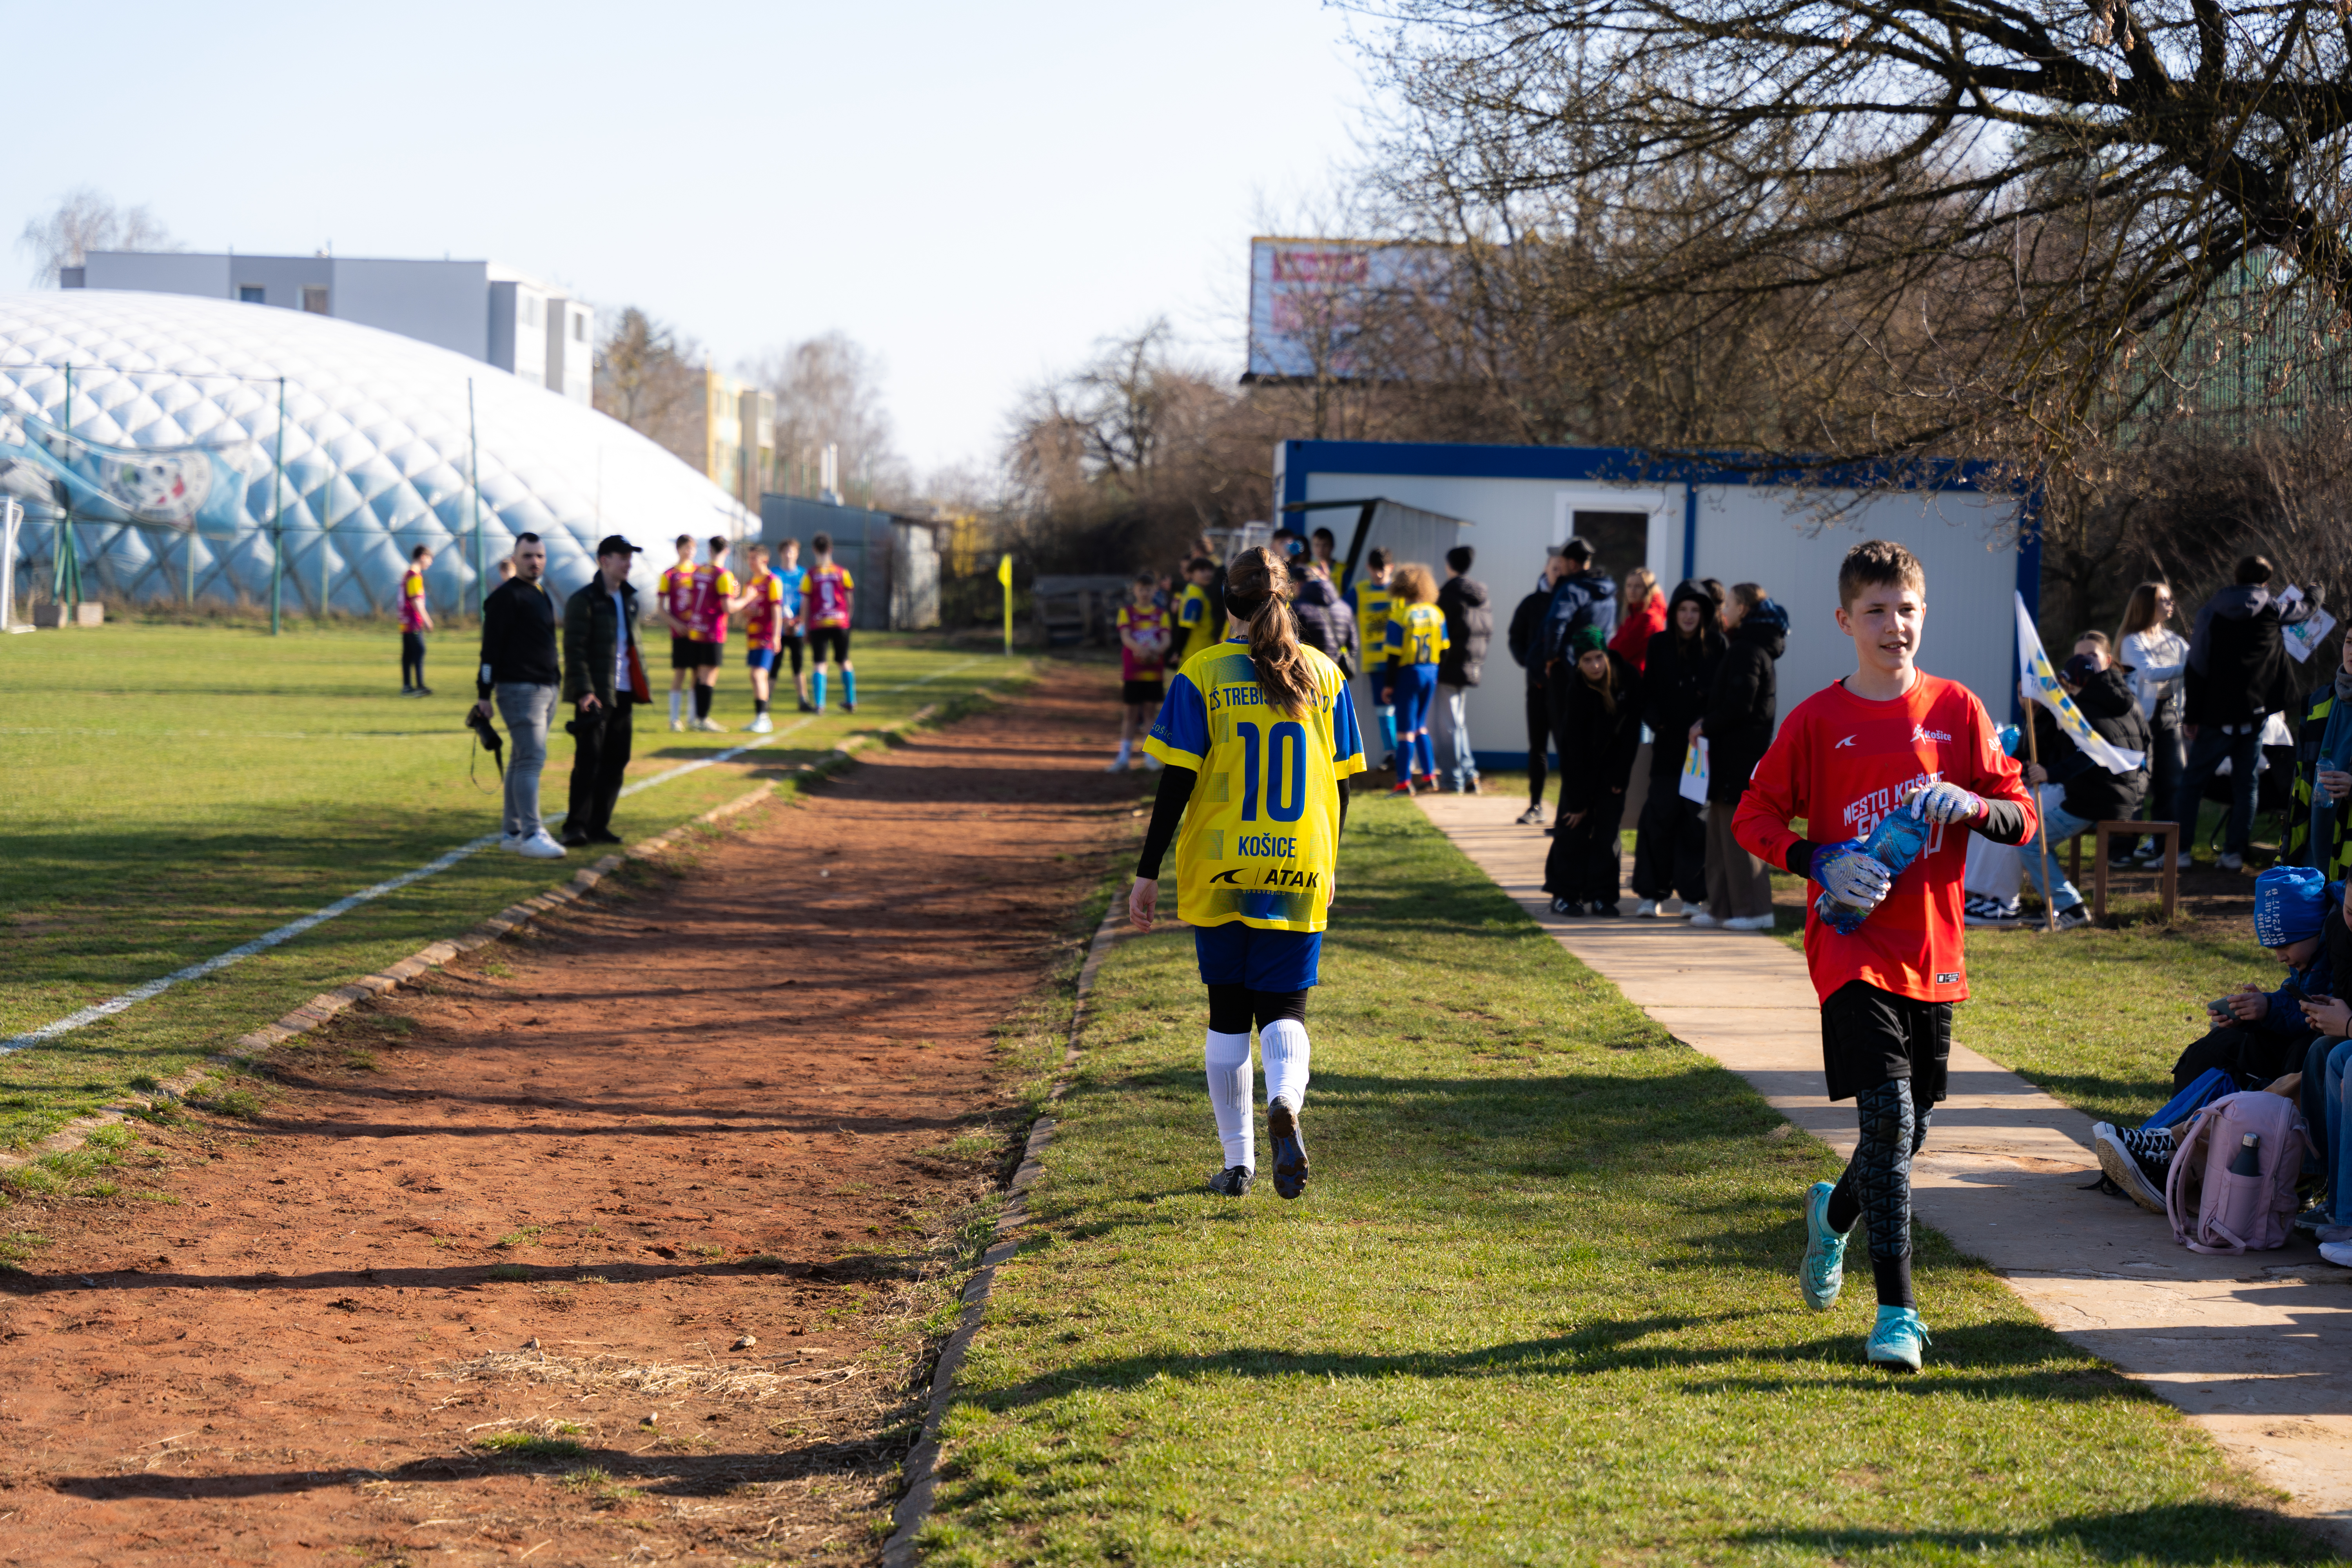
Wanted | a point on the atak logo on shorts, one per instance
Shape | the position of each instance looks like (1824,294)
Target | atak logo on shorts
(1949,977)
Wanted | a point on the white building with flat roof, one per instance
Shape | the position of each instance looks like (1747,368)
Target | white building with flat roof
(480,308)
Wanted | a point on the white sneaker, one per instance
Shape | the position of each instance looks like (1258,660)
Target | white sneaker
(761,725)
(509,841)
(1672,909)
(2339,1253)
(710,726)
(540,847)
(1643,908)
(1701,919)
(2231,862)
(2183,862)
(1749,922)
(676,725)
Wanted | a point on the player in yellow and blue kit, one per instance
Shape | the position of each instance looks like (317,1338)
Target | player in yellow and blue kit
(1257,735)
(1416,638)
(1371,599)
(1197,624)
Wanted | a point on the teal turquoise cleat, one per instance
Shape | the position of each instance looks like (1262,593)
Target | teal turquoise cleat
(1822,1273)
(1897,1340)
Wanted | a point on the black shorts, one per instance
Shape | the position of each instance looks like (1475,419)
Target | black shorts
(1141,693)
(792,646)
(1871,1036)
(685,653)
(820,636)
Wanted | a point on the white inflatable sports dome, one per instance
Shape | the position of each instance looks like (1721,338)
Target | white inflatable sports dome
(170,464)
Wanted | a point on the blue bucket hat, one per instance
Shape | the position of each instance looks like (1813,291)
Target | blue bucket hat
(2290,903)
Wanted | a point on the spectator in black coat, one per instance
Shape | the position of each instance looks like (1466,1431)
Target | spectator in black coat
(1601,730)
(2075,791)
(1325,622)
(1743,704)
(1678,672)
(1526,644)
(2237,678)
(519,669)
(1469,627)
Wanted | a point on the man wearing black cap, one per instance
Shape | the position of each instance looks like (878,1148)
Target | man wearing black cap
(603,679)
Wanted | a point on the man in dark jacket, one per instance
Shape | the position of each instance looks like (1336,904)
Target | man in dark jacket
(1469,627)
(2237,678)
(517,667)
(2087,793)
(1585,595)
(1526,638)
(1743,704)
(603,680)
(1678,672)
(1325,623)
(1601,707)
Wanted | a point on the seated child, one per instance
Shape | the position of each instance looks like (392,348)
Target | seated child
(2258,1035)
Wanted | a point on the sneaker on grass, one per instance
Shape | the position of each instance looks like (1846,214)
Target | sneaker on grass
(2073,917)
(2121,1163)
(761,725)
(540,847)
(1234,1181)
(1290,1147)
(1897,1340)
(1985,912)
(1821,1274)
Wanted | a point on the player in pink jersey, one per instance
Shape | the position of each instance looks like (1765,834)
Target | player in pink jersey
(415,620)
(1144,637)
(828,621)
(675,593)
(715,595)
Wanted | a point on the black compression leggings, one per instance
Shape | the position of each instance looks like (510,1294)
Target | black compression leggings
(1876,1185)
(1232,1008)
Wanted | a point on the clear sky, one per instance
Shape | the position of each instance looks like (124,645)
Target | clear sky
(978,192)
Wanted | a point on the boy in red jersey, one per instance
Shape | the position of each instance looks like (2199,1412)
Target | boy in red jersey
(1888,738)
(674,594)
(827,598)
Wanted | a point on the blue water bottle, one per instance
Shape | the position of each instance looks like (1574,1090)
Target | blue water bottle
(1894,843)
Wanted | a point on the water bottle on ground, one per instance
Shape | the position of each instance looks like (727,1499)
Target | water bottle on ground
(2248,1160)
(1894,843)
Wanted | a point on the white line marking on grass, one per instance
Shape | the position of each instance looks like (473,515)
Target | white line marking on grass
(295,927)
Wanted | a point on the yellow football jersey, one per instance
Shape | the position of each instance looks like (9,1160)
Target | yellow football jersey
(1373,602)
(1261,834)
(1416,634)
(1197,620)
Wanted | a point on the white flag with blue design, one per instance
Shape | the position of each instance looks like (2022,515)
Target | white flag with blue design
(2041,683)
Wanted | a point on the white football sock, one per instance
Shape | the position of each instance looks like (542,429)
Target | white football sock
(1227,1059)
(1284,1045)
(673,706)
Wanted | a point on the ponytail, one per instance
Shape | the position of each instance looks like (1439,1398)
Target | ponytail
(1257,591)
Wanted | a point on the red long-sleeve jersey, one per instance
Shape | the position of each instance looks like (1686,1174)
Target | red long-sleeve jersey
(1838,765)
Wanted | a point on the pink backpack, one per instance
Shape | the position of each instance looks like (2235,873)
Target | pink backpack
(2214,1211)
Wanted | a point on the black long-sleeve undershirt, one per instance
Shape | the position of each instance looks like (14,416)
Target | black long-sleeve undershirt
(2003,823)
(1168,814)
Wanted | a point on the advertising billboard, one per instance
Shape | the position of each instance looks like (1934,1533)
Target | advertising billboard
(1318,307)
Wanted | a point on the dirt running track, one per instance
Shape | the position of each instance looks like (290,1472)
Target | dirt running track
(548,1195)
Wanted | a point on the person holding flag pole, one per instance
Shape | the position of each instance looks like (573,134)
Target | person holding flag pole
(2098,754)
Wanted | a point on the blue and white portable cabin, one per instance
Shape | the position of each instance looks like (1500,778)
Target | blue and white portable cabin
(1688,520)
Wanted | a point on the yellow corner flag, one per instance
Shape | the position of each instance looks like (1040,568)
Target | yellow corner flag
(1004,576)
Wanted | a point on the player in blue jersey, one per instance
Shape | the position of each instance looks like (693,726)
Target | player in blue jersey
(793,578)
(1267,722)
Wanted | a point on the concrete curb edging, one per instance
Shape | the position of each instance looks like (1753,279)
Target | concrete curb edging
(923,1459)
(324,1006)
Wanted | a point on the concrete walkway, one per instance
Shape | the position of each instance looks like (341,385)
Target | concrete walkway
(2257,1350)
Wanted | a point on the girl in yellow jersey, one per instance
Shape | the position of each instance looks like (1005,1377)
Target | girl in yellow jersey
(1416,638)
(1256,734)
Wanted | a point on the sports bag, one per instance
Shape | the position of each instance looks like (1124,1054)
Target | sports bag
(2214,1210)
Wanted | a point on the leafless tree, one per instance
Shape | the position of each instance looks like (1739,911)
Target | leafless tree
(828,391)
(84,221)
(1881,231)
(650,379)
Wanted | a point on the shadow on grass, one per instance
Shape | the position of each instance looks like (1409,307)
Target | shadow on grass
(2174,1533)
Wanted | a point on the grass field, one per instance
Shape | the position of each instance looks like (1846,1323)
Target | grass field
(175,791)
(1538,1307)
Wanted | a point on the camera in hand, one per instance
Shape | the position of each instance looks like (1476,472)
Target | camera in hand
(480,723)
